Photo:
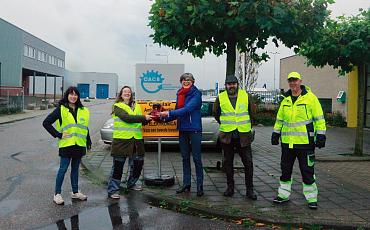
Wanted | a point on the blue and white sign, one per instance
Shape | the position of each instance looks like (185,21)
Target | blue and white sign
(158,81)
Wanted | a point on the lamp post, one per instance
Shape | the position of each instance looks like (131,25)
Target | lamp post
(163,55)
(274,53)
(146,51)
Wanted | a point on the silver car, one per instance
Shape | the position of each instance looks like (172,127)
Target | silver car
(209,125)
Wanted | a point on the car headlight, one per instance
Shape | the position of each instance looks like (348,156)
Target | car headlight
(107,125)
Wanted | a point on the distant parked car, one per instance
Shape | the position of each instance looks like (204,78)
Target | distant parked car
(209,125)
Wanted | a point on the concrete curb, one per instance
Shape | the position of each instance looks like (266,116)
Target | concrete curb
(340,158)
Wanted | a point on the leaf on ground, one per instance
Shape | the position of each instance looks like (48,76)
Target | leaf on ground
(260,225)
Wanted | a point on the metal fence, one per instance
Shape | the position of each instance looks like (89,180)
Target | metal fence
(11,99)
(266,100)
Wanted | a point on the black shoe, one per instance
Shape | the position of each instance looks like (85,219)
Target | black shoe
(182,189)
(200,193)
(229,192)
(312,205)
(279,200)
(251,195)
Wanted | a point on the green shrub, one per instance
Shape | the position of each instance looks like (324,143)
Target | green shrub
(4,110)
(265,117)
(335,119)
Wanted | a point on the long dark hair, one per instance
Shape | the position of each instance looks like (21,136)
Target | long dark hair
(65,101)
(120,99)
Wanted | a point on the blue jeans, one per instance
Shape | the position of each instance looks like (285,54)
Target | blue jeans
(191,142)
(135,167)
(64,163)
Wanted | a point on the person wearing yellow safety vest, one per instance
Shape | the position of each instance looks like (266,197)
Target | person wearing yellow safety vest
(232,111)
(72,130)
(300,125)
(127,142)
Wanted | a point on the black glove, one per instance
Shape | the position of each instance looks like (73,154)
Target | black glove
(275,138)
(320,140)
(88,146)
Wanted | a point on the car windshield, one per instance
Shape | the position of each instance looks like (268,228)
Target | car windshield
(206,110)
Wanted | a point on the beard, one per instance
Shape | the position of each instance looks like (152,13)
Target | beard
(232,90)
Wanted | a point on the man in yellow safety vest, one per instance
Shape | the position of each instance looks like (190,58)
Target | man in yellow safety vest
(232,112)
(300,125)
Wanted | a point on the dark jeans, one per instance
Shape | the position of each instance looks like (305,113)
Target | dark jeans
(245,154)
(191,142)
(304,156)
(64,163)
(135,167)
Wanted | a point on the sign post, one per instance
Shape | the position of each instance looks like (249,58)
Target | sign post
(157,129)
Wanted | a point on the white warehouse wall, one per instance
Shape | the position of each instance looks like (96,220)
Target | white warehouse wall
(93,78)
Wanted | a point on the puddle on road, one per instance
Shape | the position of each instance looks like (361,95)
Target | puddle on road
(117,215)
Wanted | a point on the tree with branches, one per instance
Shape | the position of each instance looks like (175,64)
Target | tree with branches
(223,26)
(344,44)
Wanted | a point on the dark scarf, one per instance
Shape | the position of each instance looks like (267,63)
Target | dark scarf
(181,97)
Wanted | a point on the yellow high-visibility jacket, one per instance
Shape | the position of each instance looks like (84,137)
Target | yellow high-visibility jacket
(77,130)
(124,130)
(237,118)
(299,123)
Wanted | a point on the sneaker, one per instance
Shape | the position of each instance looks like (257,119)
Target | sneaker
(312,205)
(78,196)
(114,196)
(58,199)
(137,187)
(279,200)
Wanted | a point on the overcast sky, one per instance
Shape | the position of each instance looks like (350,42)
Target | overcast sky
(112,36)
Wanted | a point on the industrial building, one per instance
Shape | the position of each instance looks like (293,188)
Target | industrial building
(336,93)
(23,56)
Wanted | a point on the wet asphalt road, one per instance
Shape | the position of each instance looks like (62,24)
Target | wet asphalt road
(28,165)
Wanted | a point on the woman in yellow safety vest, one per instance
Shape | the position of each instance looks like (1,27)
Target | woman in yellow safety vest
(72,120)
(127,141)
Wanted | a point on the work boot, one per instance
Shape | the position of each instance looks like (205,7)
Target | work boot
(312,205)
(229,191)
(279,200)
(250,194)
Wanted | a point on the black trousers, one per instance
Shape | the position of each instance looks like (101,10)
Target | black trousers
(245,154)
(306,160)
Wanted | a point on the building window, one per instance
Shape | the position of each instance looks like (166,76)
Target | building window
(25,50)
(60,63)
(29,51)
(326,104)
(41,56)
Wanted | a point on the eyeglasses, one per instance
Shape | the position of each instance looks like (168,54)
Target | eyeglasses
(187,79)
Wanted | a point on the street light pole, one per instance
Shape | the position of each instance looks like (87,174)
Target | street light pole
(274,53)
(146,51)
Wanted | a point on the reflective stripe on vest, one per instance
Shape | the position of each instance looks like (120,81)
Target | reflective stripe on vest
(78,131)
(237,118)
(125,130)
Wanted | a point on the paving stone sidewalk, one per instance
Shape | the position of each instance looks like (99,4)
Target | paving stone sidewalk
(344,184)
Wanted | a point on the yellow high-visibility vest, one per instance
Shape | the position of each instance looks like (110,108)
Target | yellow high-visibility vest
(78,131)
(237,118)
(124,130)
(292,120)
